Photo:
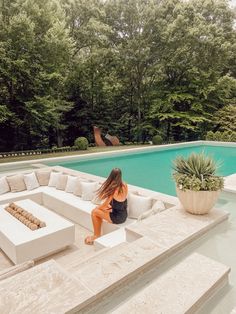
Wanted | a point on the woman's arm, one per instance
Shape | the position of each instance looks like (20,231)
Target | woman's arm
(106,203)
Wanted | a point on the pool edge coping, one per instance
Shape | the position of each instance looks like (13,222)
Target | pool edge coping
(110,153)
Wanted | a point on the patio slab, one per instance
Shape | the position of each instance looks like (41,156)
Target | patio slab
(46,288)
(233,311)
(174,228)
(182,289)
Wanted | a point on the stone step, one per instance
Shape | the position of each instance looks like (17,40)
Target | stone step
(115,265)
(182,289)
(71,262)
(160,237)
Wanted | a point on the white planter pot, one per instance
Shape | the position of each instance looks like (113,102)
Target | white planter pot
(197,202)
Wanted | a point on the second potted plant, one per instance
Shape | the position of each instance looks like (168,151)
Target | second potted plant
(197,185)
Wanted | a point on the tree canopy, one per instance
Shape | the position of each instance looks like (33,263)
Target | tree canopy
(134,68)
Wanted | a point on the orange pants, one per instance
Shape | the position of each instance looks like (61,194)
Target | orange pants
(97,217)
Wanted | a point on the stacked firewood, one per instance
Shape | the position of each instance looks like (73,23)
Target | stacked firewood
(25,217)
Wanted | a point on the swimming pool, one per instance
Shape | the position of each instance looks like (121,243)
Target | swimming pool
(153,169)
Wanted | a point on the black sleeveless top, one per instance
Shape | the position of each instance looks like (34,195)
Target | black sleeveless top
(119,213)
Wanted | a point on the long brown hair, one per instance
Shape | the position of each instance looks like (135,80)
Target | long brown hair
(113,182)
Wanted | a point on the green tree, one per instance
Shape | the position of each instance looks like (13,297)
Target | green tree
(35,57)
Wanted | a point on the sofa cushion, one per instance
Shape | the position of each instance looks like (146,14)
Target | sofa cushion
(138,204)
(158,206)
(62,181)
(71,184)
(43,176)
(78,187)
(31,181)
(16,183)
(4,187)
(68,198)
(54,178)
(88,190)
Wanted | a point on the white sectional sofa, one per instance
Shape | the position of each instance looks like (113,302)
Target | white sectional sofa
(75,209)
(66,204)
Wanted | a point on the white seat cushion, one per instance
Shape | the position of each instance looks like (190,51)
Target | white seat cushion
(70,199)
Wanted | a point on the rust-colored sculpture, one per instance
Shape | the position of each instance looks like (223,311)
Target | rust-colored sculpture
(97,137)
(113,139)
(25,217)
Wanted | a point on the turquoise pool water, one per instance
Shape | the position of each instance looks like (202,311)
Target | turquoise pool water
(153,169)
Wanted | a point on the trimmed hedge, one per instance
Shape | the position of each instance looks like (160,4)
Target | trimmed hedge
(81,143)
(37,151)
(157,140)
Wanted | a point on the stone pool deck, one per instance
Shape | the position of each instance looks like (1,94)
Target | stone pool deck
(75,283)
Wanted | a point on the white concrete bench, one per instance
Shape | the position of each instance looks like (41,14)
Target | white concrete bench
(116,237)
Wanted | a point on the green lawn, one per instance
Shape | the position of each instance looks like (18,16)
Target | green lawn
(90,150)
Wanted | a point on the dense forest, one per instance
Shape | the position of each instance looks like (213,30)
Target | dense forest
(135,68)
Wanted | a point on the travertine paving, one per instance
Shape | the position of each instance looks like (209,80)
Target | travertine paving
(181,290)
(233,311)
(46,288)
(162,234)
(112,268)
(173,228)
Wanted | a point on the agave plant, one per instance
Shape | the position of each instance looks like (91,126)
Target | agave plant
(199,165)
(197,172)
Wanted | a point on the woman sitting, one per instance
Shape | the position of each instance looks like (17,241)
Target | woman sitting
(114,208)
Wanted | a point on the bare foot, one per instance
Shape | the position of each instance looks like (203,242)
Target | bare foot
(90,240)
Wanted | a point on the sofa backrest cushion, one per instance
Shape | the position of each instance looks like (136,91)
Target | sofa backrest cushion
(71,184)
(158,206)
(62,181)
(78,187)
(43,176)
(88,190)
(16,183)
(138,204)
(4,186)
(54,178)
(31,181)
